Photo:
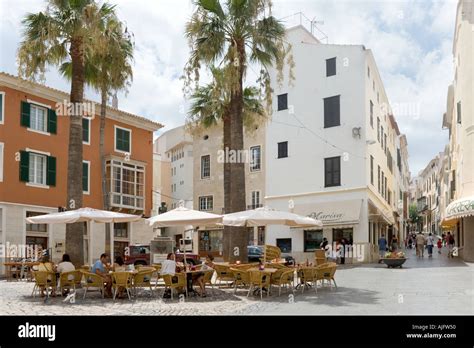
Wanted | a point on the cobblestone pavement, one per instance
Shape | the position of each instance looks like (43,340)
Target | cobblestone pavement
(423,286)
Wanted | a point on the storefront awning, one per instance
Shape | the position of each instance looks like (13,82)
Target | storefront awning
(449,224)
(334,213)
(460,208)
(380,215)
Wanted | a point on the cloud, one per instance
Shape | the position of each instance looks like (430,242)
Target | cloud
(411,41)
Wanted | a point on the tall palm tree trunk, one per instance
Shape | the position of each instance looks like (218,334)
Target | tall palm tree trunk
(105,197)
(236,237)
(75,232)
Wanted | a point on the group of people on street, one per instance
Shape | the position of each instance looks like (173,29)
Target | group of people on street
(384,246)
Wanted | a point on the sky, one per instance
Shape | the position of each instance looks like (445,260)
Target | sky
(410,39)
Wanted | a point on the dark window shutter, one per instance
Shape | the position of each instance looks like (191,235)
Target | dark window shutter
(25,114)
(123,140)
(331,67)
(85,177)
(332,117)
(85,130)
(52,121)
(51,171)
(283,102)
(24,166)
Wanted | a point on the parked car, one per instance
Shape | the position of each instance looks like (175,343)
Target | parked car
(140,255)
(254,253)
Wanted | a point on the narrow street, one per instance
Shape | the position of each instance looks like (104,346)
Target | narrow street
(436,286)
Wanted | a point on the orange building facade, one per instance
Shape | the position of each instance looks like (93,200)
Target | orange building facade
(34,136)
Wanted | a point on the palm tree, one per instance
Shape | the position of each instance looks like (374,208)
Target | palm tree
(232,37)
(108,70)
(65,31)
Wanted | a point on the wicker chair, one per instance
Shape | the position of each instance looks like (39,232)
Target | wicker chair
(121,281)
(143,280)
(207,279)
(78,278)
(43,282)
(307,276)
(241,277)
(93,280)
(259,280)
(67,281)
(223,273)
(174,282)
(286,278)
(326,272)
(277,279)
(319,257)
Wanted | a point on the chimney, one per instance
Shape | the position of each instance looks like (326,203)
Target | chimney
(115,101)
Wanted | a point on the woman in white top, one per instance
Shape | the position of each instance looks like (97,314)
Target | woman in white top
(169,265)
(65,265)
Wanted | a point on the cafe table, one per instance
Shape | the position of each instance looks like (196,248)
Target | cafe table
(19,268)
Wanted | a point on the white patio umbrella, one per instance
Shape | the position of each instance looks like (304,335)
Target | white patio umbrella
(267,216)
(182,216)
(85,215)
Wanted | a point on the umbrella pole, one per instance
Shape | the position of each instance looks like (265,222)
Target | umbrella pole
(91,244)
(111,229)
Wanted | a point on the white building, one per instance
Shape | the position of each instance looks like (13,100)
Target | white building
(173,183)
(332,149)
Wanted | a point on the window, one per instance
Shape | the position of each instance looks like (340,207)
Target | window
(373,85)
(123,139)
(372,170)
(378,179)
(283,102)
(2,107)
(86,170)
(332,117)
(386,187)
(332,171)
(38,118)
(206,203)
(368,71)
(378,129)
(205,167)
(1,164)
(371,114)
(37,169)
(127,184)
(284,244)
(121,230)
(35,227)
(255,200)
(312,240)
(458,108)
(339,233)
(389,161)
(399,160)
(86,125)
(283,149)
(331,67)
(255,159)
(384,142)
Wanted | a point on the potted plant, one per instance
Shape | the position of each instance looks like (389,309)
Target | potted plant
(394,259)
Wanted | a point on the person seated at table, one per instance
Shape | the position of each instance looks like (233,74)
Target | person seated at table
(66,266)
(100,268)
(47,266)
(207,265)
(170,267)
(119,265)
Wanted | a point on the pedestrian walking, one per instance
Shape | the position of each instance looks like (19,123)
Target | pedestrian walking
(420,245)
(394,243)
(450,243)
(343,251)
(440,245)
(382,247)
(430,244)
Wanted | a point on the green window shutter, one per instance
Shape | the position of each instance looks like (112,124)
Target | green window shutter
(85,176)
(51,171)
(52,121)
(1,104)
(25,114)
(24,166)
(123,140)
(85,130)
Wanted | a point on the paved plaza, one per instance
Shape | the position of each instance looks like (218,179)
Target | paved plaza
(423,286)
